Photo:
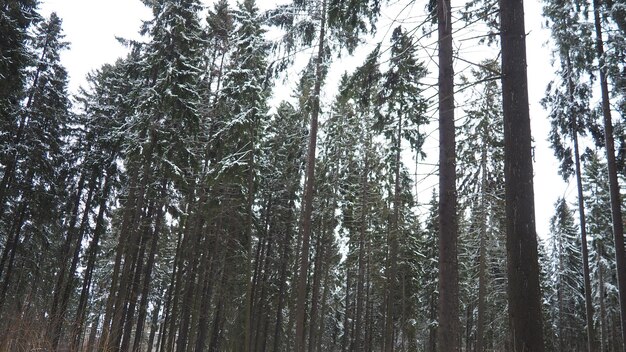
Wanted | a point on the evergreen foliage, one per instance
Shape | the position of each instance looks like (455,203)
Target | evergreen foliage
(181,201)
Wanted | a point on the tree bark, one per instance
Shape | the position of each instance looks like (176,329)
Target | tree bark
(591,335)
(315,290)
(522,265)
(603,333)
(147,274)
(449,324)
(361,263)
(614,188)
(300,343)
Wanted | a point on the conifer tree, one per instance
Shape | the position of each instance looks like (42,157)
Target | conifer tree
(39,179)
(481,162)
(449,325)
(567,283)
(522,261)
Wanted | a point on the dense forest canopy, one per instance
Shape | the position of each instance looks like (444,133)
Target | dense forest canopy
(314,175)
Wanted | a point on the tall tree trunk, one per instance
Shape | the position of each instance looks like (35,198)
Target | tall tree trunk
(67,283)
(259,332)
(361,263)
(482,283)
(591,335)
(250,202)
(92,253)
(190,281)
(16,230)
(345,341)
(114,311)
(54,330)
(603,333)
(449,325)
(614,188)
(209,278)
(147,274)
(93,333)
(522,258)
(135,279)
(315,290)
(300,343)
(392,266)
(282,294)
(154,324)
(482,261)
(559,296)
(322,327)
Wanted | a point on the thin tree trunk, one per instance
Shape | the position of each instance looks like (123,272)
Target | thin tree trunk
(111,328)
(67,283)
(147,274)
(317,273)
(591,335)
(15,231)
(345,341)
(392,271)
(92,253)
(216,335)
(284,262)
(154,324)
(207,292)
(482,261)
(322,328)
(300,343)
(361,263)
(449,324)
(54,330)
(169,310)
(559,295)
(522,258)
(93,332)
(482,283)
(190,287)
(259,333)
(614,188)
(603,338)
(135,279)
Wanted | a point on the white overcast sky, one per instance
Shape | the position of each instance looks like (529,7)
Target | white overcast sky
(92,25)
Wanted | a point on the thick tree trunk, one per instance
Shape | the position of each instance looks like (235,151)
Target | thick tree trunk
(449,325)
(300,343)
(523,266)
(614,188)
